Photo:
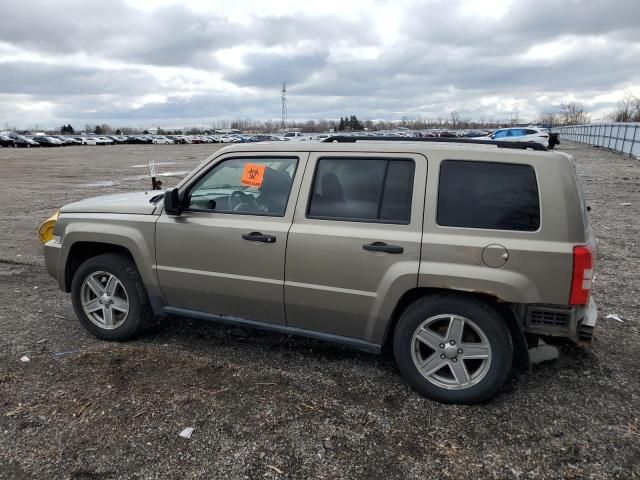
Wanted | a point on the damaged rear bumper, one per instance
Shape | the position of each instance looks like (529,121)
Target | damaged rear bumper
(584,332)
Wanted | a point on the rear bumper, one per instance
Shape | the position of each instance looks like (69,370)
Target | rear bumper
(575,323)
(586,326)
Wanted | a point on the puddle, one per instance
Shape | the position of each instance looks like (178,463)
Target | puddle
(145,165)
(102,183)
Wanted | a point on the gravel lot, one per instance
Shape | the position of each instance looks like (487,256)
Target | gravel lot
(270,406)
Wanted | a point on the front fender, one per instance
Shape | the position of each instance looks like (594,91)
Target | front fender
(135,233)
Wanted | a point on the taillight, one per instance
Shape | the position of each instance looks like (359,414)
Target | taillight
(544,136)
(582,275)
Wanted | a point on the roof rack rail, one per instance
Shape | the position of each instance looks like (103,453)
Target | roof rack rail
(500,144)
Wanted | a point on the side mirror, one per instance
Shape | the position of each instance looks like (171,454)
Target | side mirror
(172,202)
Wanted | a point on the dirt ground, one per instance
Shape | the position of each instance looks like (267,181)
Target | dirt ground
(270,406)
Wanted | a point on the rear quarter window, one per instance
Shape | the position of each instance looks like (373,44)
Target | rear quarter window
(489,195)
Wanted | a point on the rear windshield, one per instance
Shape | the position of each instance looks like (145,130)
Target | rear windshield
(498,196)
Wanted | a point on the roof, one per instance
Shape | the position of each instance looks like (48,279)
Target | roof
(373,146)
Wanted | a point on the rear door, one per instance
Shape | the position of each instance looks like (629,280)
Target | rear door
(225,254)
(354,245)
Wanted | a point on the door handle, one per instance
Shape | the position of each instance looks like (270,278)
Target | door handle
(382,247)
(259,237)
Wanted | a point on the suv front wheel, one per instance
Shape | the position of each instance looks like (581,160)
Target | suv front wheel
(453,349)
(109,297)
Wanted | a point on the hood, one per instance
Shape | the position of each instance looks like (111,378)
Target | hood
(132,203)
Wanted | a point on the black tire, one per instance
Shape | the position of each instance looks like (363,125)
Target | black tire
(484,316)
(125,270)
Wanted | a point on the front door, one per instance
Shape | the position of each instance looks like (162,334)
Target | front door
(354,246)
(225,254)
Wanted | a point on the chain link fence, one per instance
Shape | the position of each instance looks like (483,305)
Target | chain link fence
(621,137)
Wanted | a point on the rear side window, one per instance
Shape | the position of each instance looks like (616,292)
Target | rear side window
(500,196)
(369,190)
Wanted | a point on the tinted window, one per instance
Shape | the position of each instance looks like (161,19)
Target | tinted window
(500,196)
(363,189)
(501,134)
(528,131)
(258,186)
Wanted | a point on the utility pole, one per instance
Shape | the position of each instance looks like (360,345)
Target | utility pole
(283,124)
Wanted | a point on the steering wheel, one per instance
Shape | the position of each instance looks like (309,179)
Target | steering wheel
(238,199)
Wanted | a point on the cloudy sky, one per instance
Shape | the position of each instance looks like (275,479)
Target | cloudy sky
(191,62)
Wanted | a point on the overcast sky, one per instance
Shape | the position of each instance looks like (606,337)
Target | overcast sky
(189,62)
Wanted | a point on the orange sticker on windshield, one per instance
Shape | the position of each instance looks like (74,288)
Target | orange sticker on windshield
(253,175)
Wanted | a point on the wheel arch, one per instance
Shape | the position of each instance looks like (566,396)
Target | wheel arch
(81,251)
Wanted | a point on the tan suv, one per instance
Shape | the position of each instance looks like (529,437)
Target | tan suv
(456,255)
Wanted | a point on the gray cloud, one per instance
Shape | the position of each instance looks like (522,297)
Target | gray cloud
(100,61)
(267,69)
(47,80)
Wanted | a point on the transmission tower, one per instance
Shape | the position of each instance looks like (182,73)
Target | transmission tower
(284,105)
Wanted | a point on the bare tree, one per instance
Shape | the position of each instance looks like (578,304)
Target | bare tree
(628,109)
(455,119)
(548,119)
(573,113)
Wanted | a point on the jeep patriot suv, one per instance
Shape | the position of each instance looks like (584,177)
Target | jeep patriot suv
(456,255)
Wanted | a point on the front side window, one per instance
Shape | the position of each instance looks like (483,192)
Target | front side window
(258,186)
(375,190)
(500,134)
(501,196)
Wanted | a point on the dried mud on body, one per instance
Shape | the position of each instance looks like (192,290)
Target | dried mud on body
(270,406)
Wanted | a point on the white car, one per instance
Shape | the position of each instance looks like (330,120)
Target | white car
(87,140)
(160,139)
(104,141)
(519,134)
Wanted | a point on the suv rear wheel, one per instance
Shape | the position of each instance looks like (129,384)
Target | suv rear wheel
(109,297)
(453,349)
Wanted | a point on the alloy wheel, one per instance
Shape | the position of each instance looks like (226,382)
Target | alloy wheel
(451,351)
(104,300)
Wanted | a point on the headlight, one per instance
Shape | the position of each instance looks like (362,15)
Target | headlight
(45,232)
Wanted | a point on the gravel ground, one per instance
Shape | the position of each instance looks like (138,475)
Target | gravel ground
(270,406)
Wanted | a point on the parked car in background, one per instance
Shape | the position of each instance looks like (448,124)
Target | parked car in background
(140,140)
(21,141)
(6,141)
(162,140)
(292,135)
(67,141)
(87,140)
(519,134)
(554,138)
(177,139)
(46,141)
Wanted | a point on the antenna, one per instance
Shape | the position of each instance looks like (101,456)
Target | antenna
(284,105)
